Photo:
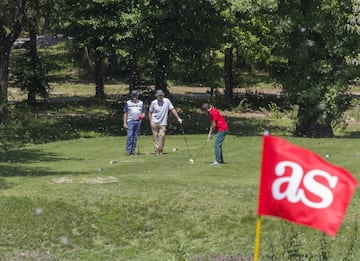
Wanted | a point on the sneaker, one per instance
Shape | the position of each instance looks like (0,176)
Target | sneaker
(215,163)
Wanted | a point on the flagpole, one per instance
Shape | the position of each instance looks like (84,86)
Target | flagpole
(258,222)
(257,239)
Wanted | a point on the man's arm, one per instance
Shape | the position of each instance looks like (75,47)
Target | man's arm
(125,120)
(143,111)
(211,129)
(174,112)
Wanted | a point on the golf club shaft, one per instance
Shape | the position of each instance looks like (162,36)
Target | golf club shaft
(186,143)
(202,148)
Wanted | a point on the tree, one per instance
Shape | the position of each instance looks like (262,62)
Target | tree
(353,26)
(100,26)
(12,15)
(246,24)
(309,61)
(182,29)
(32,75)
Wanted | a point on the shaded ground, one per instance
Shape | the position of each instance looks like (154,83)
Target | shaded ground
(79,114)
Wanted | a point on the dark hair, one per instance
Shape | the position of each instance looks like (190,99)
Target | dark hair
(205,107)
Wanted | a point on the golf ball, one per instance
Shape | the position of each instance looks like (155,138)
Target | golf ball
(191,161)
(174,149)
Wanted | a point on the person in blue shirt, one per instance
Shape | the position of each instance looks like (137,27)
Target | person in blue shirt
(134,113)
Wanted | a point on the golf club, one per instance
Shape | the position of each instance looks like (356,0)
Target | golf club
(138,144)
(202,148)
(186,143)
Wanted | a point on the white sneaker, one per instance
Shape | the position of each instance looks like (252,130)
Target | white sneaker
(215,163)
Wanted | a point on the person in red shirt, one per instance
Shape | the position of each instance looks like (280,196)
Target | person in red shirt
(218,124)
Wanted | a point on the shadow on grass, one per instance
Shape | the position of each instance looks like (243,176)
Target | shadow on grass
(14,171)
(90,117)
(352,134)
(4,184)
(9,161)
(29,156)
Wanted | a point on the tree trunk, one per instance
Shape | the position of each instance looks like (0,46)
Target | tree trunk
(99,75)
(308,127)
(6,42)
(88,64)
(228,74)
(4,71)
(33,61)
(133,72)
(161,72)
(113,68)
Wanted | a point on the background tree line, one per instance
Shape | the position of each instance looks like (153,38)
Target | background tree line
(309,47)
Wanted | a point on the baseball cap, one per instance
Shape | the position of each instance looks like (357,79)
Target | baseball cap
(134,93)
(205,107)
(159,93)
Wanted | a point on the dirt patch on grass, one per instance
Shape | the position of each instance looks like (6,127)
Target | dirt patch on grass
(27,255)
(226,258)
(95,180)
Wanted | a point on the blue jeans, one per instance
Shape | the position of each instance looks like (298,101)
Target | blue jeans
(220,137)
(132,135)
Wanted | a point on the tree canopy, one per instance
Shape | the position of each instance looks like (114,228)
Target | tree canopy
(309,61)
(307,46)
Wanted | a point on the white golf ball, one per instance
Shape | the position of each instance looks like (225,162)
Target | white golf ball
(39,211)
(191,161)
(174,149)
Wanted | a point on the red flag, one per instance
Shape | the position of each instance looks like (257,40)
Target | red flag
(299,186)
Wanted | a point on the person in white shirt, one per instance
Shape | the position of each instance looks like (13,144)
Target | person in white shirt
(134,113)
(158,115)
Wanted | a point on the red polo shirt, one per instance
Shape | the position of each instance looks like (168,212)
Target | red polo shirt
(221,124)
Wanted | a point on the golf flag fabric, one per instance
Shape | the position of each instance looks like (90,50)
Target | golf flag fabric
(299,186)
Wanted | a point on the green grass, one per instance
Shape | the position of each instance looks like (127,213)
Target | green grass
(54,207)
(63,200)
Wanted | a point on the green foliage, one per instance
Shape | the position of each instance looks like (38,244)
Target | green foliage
(205,70)
(30,78)
(243,105)
(7,16)
(274,110)
(309,60)
(353,26)
(246,25)
(43,122)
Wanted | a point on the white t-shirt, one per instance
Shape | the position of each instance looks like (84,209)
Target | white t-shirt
(160,111)
(134,109)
